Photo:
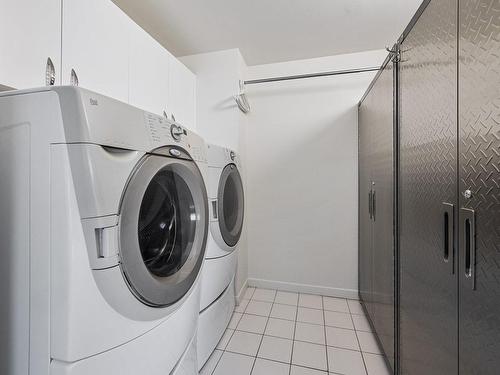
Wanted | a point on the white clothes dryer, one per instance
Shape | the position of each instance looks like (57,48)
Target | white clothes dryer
(103,234)
(226,205)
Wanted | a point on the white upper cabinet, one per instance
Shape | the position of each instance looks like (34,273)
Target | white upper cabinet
(109,53)
(30,32)
(95,44)
(148,72)
(182,94)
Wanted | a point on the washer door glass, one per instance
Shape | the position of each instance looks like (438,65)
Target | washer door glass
(163,229)
(230,205)
(166,229)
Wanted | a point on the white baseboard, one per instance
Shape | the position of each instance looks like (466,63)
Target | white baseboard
(303,288)
(241,293)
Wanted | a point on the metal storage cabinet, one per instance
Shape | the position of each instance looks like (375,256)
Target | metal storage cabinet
(428,191)
(479,172)
(376,215)
(448,187)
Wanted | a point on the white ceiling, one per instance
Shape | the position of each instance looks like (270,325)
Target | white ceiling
(268,31)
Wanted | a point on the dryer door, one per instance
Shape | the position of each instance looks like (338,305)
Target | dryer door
(163,229)
(230,205)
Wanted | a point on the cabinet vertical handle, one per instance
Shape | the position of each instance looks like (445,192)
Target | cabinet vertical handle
(73,79)
(449,234)
(374,205)
(469,244)
(50,73)
(370,197)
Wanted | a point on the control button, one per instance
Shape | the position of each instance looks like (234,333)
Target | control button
(232,155)
(175,152)
(176,132)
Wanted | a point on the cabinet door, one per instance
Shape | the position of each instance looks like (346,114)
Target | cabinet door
(428,175)
(365,254)
(182,94)
(479,172)
(96,44)
(382,169)
(30,32)
(148,72)
(376,220)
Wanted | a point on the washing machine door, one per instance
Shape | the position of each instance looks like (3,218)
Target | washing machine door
(230,205)
(163,228)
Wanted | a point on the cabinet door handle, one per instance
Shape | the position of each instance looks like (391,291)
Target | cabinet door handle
(449,234)
(370,197)
(469,244)
(50,73)
(73,79)
(374,205)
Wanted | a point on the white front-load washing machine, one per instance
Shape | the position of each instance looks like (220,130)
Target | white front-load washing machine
(103,231)
(226,206)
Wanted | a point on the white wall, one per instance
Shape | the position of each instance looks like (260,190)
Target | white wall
(219,120)
(302,175)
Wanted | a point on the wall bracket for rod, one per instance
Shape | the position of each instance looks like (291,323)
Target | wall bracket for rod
(395,51)
(241,99)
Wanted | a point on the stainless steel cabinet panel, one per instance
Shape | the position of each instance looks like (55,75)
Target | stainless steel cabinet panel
(377,277)
(428,170)
(479,169)
(365,223)
(382,163)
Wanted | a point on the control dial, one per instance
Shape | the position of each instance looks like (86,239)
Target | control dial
(232,155)
(176,132)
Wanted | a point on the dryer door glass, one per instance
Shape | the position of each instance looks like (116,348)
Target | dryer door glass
(163,229)
(231,205)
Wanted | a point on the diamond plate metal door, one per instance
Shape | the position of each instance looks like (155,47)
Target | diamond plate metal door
(365,255)
(380,103)
(479,169)
(428,180)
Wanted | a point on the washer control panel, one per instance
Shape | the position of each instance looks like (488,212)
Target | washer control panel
(158,129)
(163,132)
(177,132)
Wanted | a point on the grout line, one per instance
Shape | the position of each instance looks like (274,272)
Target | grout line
(223,350)
(230,337)
(217,364)
(265,327)
(316,369)
(238,322)
(294,331)
(357,338)
(228,341)
(324,331)
(251,296)
(257,357)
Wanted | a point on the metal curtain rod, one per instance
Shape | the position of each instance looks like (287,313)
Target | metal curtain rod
(312,75)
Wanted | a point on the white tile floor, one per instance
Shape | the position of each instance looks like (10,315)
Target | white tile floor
(281,333)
